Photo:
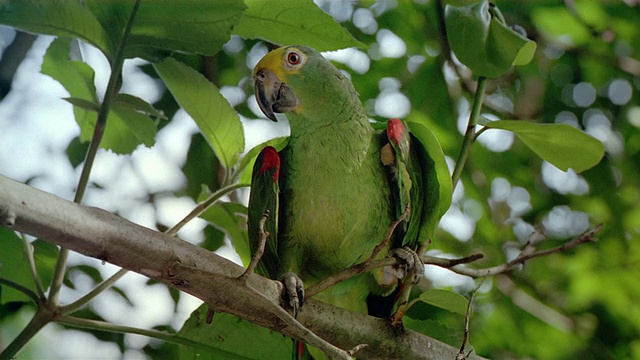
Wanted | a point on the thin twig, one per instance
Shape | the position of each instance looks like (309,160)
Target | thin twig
(263,235)
(467,320)
(70,308)
(361,267)
(202,206)
(353,351)
(111,327)
(469,134)
(28,250)
(448,263)
(454,264)
(525,255)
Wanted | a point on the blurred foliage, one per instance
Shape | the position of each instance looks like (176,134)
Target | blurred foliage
(585,73)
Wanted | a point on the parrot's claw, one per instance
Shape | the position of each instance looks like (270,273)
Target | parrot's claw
(409,262)
(294,291)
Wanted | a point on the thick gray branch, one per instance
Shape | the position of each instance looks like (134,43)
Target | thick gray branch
(105,236)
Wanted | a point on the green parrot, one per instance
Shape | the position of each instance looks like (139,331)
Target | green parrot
(334,190)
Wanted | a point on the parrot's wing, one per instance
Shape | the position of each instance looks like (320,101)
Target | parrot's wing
(264,198)
(411,190)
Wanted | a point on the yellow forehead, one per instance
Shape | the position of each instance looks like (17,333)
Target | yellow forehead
(275,61)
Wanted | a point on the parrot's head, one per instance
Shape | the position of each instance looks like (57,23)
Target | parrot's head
(298,79)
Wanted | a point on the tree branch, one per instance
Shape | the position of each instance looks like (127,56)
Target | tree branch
(179,264)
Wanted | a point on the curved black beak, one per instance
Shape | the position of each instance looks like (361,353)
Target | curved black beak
(273,96)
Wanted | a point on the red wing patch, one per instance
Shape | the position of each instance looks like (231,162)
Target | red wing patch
(270,160)
(395,128)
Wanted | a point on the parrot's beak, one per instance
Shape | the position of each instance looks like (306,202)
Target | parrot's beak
(273,95)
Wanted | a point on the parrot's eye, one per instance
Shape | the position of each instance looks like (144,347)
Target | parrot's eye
(293,58)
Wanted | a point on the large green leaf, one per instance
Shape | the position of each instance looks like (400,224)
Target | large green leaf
(561,145)
(77,78)
(160,26)
(438,174)
(440,314)
(229,337)
(213,114)
(127,101)
(14,265)
(560,26)
(72,19)
(126,129)
(193,26)
(447,300)
(127,124)
(200,167)
(287,22)
(482,41)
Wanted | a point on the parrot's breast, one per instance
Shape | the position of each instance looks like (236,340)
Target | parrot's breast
(336,202)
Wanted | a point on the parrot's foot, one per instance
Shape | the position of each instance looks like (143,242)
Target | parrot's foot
(409,262)
(294,291)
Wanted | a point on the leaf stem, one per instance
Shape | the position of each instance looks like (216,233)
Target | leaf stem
(28,250)
(70,308)
(161,335)
(470,133)
(203,206)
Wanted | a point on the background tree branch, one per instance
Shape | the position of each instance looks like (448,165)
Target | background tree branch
(99,234)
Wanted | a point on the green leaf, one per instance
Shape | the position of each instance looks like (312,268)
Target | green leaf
(127,124)
(561,145)
(126,129)
(14,265)
(288,22)
(71,19)
(160,26)
(76,151)
(122,294)
(439,330)
(481,40)
(213,238)
(215,117)
(437,313)
(193,26)
(438,174)
(83,104)
(45,256)
(201,167)
(560,26)
(127,101)
(224,216)
(77,78)
(447,300)
(229,337)
(90,271)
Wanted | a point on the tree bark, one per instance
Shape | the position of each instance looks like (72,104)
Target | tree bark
(102,235)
